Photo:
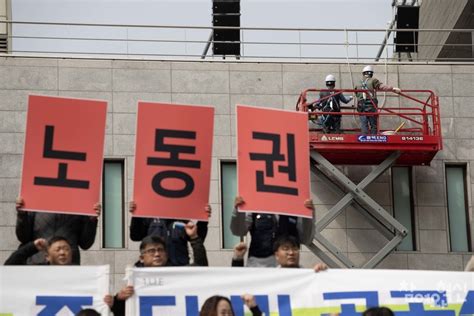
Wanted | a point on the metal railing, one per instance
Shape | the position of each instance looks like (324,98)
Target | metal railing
(188,42)
(418,110)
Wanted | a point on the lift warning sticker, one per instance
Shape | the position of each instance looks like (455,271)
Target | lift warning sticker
(372,138)
(273,161)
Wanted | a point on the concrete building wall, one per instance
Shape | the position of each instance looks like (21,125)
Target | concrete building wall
(122,83)
(439,14)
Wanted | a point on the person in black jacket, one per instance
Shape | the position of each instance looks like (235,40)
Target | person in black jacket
(286,250)
(330,101)
(57,252)
(154,253)
(79,230)
(171,230)
(265,228)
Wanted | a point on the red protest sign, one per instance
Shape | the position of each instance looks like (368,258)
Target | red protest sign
(62,161)
(173,160)
(273,161)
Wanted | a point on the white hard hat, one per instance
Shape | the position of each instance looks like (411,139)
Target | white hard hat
(368,68)
(330,78)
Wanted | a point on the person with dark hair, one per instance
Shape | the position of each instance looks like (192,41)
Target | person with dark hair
(79,230)
(221,306)
(171,230)
(58,252)
(88,312)
(154,253)
(217,306)
(286,250)
(378,311)
(265,228)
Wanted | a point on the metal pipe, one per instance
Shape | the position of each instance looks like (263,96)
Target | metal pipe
(234,28)
(204,53)
(384,43)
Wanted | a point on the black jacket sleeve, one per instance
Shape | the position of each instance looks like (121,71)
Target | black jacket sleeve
(256,311)
(24,226)
(88,232)
(20,256)
(118,307)
(138,228)
(199,252)
(237,262)
(343,98)
(202,230)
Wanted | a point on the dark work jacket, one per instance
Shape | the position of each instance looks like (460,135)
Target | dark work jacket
(175,237)
(265,229)
(79,230)
(200,259)
(20,256)
(326,105)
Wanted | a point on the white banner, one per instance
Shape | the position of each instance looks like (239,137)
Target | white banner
(52,290)
(298,292)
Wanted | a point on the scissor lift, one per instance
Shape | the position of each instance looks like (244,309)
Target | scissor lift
(409,133)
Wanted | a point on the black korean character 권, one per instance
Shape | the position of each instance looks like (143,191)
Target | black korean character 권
(273,157)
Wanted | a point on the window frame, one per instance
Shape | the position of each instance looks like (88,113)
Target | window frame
(223,162)
(463,166)
(121,162)
(412,206)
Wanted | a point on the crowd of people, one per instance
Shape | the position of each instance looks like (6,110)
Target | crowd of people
(275,242)
(54,239)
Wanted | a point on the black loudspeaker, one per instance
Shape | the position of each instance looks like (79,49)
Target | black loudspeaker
(226,7)
(407,18)
(227,14)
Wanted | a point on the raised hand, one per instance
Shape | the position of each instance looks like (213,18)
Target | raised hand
(238,201)
(239,250)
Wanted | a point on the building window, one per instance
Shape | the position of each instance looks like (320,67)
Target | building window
(456,189)
(113,204)
(228,193)
(403,204)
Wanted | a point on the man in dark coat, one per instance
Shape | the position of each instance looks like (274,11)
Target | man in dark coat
(79,230)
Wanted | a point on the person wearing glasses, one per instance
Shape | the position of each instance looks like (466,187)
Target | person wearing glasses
(286,250)
(172,232)
(153,253)
(265,228)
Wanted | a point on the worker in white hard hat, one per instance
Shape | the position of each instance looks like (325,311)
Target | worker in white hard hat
(330,101)
(367,101)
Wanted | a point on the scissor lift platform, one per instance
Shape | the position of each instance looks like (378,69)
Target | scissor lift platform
(415,141)
(354,149)
(418,141)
